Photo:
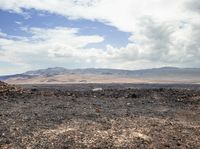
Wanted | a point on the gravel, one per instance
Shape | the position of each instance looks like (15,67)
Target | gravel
(74,116)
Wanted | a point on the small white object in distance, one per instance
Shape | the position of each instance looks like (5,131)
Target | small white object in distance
(97,89)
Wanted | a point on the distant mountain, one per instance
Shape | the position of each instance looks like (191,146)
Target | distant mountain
(154,72)
(7,77)
(94,75)
(48,71)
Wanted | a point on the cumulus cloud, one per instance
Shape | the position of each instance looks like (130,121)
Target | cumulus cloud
(45,46)
(122,14)
(194,6)
(164,32)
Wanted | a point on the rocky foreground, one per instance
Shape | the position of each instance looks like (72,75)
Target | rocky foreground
(6,89)
(67,117)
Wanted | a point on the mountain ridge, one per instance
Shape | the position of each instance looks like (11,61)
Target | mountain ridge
(61,74)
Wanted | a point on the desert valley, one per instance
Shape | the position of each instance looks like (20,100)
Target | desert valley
(88,114)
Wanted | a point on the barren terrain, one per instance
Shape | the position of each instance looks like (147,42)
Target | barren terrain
(60,75)
(100,116)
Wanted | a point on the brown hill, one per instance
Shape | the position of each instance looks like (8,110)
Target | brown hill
(59,75)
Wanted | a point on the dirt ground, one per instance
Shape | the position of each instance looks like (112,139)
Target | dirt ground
(112,116)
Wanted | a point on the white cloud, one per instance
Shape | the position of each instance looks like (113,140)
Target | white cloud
(45,47)
(164,32)
(122,14)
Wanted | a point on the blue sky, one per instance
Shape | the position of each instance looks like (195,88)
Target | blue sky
(12,24)
(127,34)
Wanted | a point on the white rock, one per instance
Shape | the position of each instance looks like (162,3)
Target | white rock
(97,89)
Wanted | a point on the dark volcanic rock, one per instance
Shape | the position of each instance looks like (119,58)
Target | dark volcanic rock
(11,90)
(2,83)
(3,86)
(66,117)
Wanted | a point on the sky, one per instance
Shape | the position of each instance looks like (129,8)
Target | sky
(119,34)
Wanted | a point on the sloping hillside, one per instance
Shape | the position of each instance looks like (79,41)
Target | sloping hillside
(93,75)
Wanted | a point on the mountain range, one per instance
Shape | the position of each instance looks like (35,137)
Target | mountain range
(60,75)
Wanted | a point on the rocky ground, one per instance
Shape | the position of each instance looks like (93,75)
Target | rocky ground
(84,116)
